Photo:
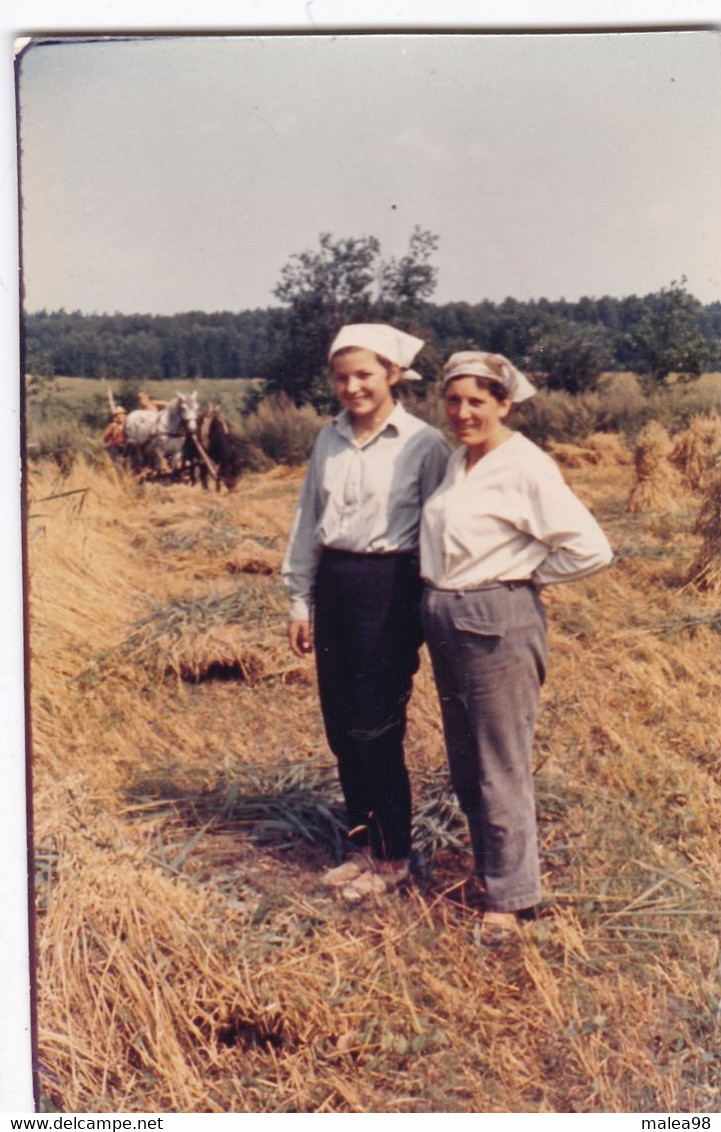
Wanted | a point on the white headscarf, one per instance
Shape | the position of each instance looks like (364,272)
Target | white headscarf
(395,345)
(475,363)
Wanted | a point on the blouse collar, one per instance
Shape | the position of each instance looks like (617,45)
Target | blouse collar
(398,420)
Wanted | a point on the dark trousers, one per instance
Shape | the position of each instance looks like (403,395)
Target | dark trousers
(488,650)
(367,636)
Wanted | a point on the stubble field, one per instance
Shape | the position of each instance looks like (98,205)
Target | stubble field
(188,959)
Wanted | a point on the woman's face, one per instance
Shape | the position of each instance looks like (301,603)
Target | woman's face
(363,385)
(475,415)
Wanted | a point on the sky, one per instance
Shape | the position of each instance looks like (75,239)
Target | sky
(161,175)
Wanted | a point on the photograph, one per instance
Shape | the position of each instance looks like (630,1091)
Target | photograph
(370,399)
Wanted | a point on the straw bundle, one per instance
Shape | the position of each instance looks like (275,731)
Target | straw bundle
(254,556)
(238,633)
(705,571)
(610,447)
(607,448)
(658,484)
(653,442)
(696,448)
(572,455)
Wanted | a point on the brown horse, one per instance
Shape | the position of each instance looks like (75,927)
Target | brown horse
(221,446)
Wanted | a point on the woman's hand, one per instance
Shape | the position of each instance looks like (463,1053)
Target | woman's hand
(300,638)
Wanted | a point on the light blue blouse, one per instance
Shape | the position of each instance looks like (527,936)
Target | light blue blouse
(365,498)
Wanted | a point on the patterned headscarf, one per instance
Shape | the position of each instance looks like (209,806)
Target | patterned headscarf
(477,363)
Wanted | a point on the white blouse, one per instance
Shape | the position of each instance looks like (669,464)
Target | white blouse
(511,517)
(365,498)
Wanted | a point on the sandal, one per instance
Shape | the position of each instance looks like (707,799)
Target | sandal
(380,878)
(394,873)
(498,928)
(349,871)
(367,884)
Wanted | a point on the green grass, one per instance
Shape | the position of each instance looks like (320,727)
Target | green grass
(79,393)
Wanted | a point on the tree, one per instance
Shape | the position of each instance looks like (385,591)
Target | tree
(322,290)
(344,281)
(667,335)
(407,283)
(336,279)
(571,356)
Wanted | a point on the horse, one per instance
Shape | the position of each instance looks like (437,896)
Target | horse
(152,437)
(224,450)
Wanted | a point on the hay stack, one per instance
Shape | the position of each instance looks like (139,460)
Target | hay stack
(609,447)
(696,448)
(658,484)
(238,634)
(572,455)
(254,556)
(599,448)
(705,571)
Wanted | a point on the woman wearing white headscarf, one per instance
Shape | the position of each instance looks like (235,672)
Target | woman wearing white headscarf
(351,568)
(502,524)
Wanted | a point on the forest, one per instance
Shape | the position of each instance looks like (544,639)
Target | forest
(565,345)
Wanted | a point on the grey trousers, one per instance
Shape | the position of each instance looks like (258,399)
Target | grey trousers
(488,648)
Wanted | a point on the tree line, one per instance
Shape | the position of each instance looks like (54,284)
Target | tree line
(565,345)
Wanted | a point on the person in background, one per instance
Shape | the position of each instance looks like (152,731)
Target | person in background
(501,526)
(145,401)
(114,435)
(351,571)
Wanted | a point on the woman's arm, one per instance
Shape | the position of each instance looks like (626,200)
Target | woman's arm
(556,517)
(300,563)
(300,637)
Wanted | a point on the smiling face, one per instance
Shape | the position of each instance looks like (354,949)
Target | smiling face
(363,385)
(476,416)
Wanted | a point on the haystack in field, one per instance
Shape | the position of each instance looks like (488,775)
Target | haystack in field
(235,634)
(658,484)
(705,570)
(251,556)
(610,448)
(572,455)
(696,449)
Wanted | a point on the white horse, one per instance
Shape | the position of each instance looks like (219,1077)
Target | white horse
(153,436)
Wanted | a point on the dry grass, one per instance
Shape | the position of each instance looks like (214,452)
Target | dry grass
(597,448)
(572,455)
(282,430)
(610,447)
(705,572)
(659,486)
(697,448)
(185,804)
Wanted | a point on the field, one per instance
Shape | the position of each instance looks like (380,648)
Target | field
(185,804)
(85,400)
(78,389)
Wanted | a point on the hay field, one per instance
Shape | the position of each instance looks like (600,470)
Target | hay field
(185,803)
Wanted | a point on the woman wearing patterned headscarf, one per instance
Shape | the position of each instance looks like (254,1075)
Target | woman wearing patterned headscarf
(502,525)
